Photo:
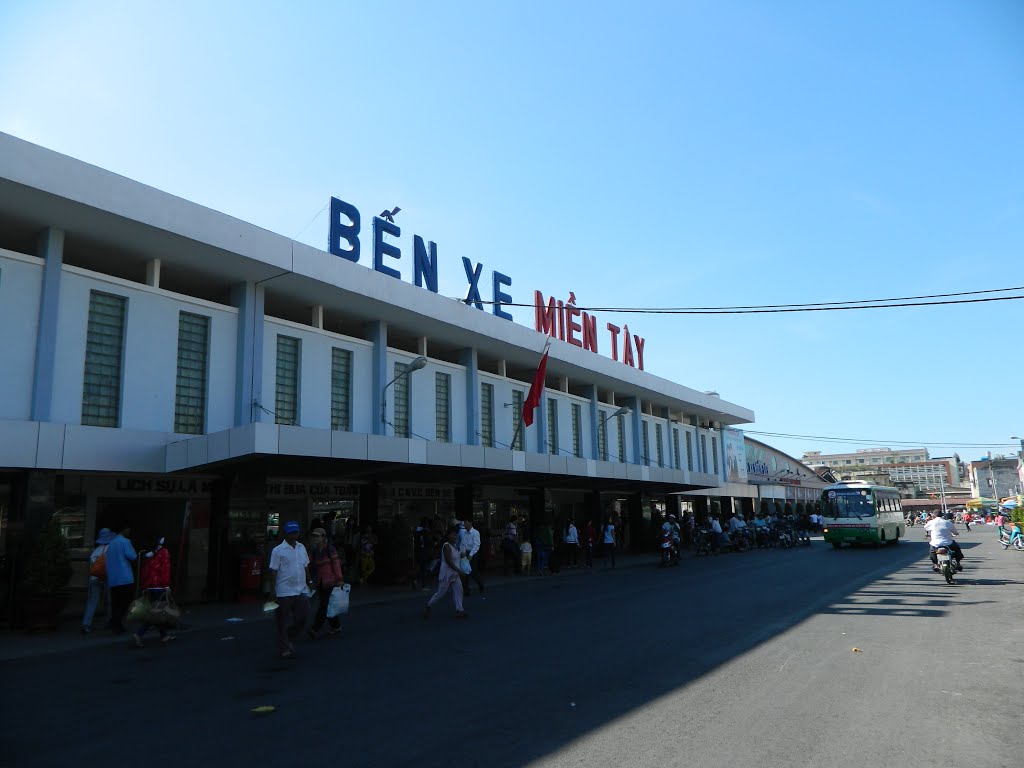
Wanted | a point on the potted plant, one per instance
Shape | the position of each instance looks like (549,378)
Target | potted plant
(46,578)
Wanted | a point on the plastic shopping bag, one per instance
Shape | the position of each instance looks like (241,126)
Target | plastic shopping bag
(465,567)
(337,603)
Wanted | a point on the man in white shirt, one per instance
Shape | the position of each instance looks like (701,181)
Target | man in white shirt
(737,523)
(469,547)
(289,568)
(718,537)
(940,534)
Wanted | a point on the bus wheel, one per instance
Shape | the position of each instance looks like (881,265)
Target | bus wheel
(881,538)
(895,541)
(837,544)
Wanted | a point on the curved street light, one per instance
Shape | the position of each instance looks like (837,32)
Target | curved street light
(414,365)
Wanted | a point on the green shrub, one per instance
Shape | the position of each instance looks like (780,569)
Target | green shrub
(49,569)
(1017,516)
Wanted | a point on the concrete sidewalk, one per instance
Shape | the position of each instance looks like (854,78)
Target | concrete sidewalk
(17,644)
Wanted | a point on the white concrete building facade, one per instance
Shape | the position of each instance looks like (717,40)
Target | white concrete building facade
(205,380)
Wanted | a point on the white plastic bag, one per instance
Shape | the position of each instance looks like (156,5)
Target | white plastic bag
(337,603)
(465,567)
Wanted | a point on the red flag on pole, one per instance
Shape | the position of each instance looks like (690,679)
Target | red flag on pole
(536,389)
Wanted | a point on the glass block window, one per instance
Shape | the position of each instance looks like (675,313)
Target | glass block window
(645,429)
(703,453)
(689,452)
(341,389)
(442,407)
(104,351)
(622,438)
(487,415)
(286,390)
(657,445)
(676,459)
(190,385)
(517,416)
(577,436)
(401,389)
(714,453)
(552,425)
(602,435)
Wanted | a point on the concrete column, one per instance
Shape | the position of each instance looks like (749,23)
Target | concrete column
(248,297)
(540,418)
(636,418)
(421,346)
(377,333)
(153,273)
(51,249)
(595,444)
(469,359)
(318,316)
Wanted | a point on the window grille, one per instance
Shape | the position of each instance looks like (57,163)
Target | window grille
(190,385)
(286,390)
(341,389)
(442,407)
(487,415)
(104,351)
(401,388)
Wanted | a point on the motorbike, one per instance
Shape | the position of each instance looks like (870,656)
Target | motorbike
(948,566)
(669,552)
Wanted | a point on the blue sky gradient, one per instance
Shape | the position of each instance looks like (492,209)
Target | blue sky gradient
(641,154)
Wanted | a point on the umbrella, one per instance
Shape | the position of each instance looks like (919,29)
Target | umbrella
(1009,504)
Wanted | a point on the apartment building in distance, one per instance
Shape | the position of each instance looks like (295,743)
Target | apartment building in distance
(910,469)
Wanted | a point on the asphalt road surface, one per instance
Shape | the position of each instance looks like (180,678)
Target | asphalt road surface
(739,660)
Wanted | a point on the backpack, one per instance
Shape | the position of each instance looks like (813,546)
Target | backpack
(99,565)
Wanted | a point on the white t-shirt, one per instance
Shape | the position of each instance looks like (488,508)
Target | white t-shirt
(736,524)
(941,532)
(290,564)
(609,534)
(716,527)
(571,536)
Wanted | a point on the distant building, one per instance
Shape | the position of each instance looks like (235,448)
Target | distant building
(995,478)
(910,469)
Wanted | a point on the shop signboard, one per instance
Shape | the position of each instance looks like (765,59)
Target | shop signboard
(290,488)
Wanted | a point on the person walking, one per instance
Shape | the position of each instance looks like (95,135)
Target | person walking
(608,543)
(545,543)
(367,560)
(422,548)
(510,547)
(469,547)
(590,536)
(327,574)
(572,545)
(449,575)
(156,583)
(289,569)
(97,579)
(120,554)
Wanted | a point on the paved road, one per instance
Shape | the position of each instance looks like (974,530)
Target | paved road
(731,661)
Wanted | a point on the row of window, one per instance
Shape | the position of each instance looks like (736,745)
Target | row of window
(104,358)
(101,392)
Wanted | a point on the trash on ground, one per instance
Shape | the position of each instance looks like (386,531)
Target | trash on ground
(265,710)
(235,620)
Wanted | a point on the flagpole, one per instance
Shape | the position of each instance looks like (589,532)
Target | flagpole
(522,412)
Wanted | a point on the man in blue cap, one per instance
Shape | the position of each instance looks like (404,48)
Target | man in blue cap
(289,568)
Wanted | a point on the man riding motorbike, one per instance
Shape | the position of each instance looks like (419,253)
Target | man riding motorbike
(941,531)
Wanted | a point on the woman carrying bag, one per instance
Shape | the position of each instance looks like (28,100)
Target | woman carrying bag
(449,576)
(156,586)
(326,572)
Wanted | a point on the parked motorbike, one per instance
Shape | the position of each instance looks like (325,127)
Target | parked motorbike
(670,554)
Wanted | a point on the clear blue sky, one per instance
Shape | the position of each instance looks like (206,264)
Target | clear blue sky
(661,154)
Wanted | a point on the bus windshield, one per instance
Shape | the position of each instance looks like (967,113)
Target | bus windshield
(847,504)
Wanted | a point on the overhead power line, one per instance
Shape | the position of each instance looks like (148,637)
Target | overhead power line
(866,441)
(927,300)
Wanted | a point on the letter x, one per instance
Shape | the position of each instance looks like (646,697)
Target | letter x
(473,275)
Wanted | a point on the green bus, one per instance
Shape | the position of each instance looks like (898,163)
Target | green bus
(857,512)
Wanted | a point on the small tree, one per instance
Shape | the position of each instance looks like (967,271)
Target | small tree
(716,509)
(799,509)
(49,569)
(763,509)
(778,508)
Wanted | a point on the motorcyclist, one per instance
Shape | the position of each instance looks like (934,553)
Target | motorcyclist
(941,531)
(718,537)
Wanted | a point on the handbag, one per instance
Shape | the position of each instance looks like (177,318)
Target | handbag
(138,611)
(164,611)
(465,566)
(337,603)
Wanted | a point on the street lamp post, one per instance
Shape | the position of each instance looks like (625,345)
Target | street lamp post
(414,365)
(622,411)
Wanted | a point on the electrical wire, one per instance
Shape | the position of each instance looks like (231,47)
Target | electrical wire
(925,300)
(865,441)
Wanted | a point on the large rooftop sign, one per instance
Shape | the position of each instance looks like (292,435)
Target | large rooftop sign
(562,320)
